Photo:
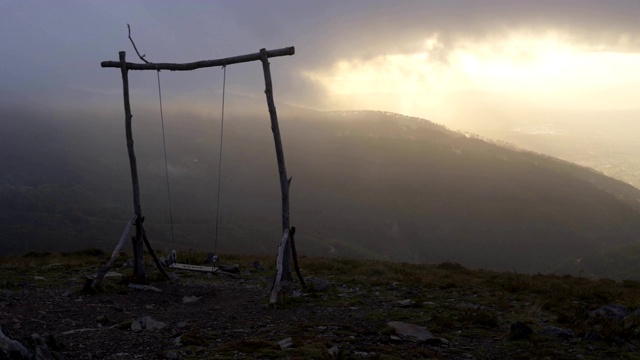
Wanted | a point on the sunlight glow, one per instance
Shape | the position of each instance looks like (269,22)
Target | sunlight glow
(520,68)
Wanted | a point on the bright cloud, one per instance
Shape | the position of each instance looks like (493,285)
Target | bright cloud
(547,70)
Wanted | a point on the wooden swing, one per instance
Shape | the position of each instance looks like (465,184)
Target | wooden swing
(287,246)
(173,260)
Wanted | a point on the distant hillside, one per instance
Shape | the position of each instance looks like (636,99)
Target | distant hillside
(365,184)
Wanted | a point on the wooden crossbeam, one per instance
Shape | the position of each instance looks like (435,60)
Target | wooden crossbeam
(201,64)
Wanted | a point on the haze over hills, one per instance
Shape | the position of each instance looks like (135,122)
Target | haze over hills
(365,184)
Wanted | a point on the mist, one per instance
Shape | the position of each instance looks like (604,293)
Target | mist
(415,131)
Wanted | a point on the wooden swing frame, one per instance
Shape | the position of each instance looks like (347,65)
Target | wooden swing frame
(283,274)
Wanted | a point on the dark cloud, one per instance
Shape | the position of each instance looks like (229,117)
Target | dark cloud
(51,48)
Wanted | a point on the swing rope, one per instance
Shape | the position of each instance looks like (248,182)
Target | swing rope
(224,87)
(166,165)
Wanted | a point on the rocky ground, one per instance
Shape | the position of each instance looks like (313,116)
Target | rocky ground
(358,310)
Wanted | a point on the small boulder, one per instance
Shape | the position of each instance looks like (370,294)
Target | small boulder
(520,331)
(411,331)
(151,324)
(136,326)
(405,303)
(334,352)
(144,287)
(285,343)
(190,299)
(610,312)
(147,323)
(558,332)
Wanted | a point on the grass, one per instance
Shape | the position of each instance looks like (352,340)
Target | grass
(448,298)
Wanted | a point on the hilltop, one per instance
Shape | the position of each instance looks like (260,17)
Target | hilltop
(352,313)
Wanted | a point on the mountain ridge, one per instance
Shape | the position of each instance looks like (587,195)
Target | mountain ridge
(365,184)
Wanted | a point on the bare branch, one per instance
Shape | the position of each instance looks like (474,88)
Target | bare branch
(134,46)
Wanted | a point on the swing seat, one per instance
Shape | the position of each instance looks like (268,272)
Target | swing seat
(174,264)
(201,268)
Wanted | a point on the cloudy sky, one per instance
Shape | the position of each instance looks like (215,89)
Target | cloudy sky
(449,61)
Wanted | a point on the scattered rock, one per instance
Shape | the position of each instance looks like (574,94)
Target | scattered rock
(147,323)
(558,332)
(413,332)
(39,278)
(334,352)
(12,349)
(136,326)
(182,324)
(177,341)
(405,303)
(144,287)
(520,331)
(190,299)
(611,312)
(128,264)
(151,324)
(171,354)
(66,293)
(256,265)
(285,343)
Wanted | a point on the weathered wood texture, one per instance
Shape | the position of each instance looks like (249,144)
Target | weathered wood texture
(275,129)
(201,64)
(283,280)
(285,252)
(114,255)
(281,285)
(138,245)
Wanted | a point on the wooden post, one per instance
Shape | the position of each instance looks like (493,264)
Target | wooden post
(284,181)
(138,244)
(281,284)
(283,275)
